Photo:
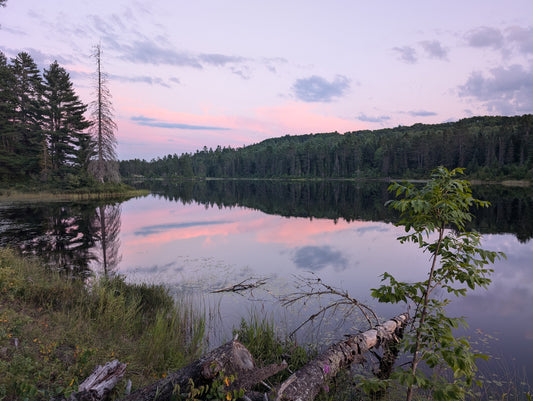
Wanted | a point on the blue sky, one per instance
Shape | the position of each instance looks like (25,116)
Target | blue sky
(185,75)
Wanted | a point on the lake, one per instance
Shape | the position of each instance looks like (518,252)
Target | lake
(201,236)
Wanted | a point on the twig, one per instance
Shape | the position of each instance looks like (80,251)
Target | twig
(244,285)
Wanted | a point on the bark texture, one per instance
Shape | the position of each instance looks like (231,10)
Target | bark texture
(232,358)
(100,383)
(305,384)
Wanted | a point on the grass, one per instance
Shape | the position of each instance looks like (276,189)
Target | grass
(15,195)
(54,330)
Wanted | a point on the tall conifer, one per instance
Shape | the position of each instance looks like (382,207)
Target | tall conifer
(64,124)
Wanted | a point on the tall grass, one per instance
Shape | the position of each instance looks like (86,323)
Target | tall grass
(54,330)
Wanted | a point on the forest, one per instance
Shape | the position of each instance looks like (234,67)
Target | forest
(48,136)
(488,147)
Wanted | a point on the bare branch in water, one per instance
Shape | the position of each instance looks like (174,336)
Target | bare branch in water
(247,284)
(313,287)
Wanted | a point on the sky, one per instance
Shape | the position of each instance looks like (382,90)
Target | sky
(189,74)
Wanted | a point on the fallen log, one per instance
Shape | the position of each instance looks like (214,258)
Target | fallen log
(234,359)
(99,384)
(306,383)
(230,359)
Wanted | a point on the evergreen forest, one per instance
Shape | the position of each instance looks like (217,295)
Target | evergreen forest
(45,136)
(488,147)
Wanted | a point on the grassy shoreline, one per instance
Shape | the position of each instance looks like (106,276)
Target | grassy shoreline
(54,330)
(105,191)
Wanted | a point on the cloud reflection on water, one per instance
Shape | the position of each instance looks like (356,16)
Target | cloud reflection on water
(316,258)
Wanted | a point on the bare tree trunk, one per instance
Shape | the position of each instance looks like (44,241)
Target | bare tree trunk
(306,383)
(99,384)
(232,358)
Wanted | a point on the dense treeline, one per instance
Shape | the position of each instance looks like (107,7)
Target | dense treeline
(488,147)
(44,135)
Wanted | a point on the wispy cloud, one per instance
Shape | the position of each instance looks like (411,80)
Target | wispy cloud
(485,36)
(159,228)
(152,122)
(318,89)
(141,79)
(522,38)
(421,113)
(373,119)
(407,54)
(219,60)
(507,90)
(434,49)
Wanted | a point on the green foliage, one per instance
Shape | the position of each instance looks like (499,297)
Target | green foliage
(219,390)
(491,148)
(55,330)
(260,338)
(435,218)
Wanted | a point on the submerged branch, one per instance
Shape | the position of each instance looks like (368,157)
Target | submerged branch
(247,284)
(314,287)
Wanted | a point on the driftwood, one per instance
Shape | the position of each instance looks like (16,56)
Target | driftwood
(305,384)
(100,383)
(233,358)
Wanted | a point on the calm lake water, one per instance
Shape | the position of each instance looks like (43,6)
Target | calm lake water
(197,237)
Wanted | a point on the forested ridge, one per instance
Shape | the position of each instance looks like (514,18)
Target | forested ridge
(488,147)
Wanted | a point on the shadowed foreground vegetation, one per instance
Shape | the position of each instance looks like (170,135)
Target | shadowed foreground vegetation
(54,330)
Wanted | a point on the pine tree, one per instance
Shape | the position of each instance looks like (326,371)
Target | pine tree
(104,166)
(64,124)
(26,136)
(7,110)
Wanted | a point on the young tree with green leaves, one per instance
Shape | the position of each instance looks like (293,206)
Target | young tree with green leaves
(435,219)
(104,165)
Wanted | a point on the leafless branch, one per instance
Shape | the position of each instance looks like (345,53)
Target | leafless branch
(313,288)
(247,284)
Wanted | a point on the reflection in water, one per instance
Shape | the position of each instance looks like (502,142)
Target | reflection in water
(511,208)
(72,237)
(316,258)
(106,224)
(59,233)
(208,235)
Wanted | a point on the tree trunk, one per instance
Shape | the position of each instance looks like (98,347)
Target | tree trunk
(99,384)
(232,358)
(305,384)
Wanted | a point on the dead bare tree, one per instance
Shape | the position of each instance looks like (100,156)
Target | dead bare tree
(104,165)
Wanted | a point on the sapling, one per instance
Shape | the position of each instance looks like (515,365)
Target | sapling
(435,218)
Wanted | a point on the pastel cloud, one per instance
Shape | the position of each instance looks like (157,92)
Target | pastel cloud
(153,122)
(373,119)
(407,54)
(301,118)
(434,49)
(507,90)
(318,89)
(421,113)
(485,36)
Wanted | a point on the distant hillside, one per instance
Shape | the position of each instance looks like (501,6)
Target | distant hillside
(488,147)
